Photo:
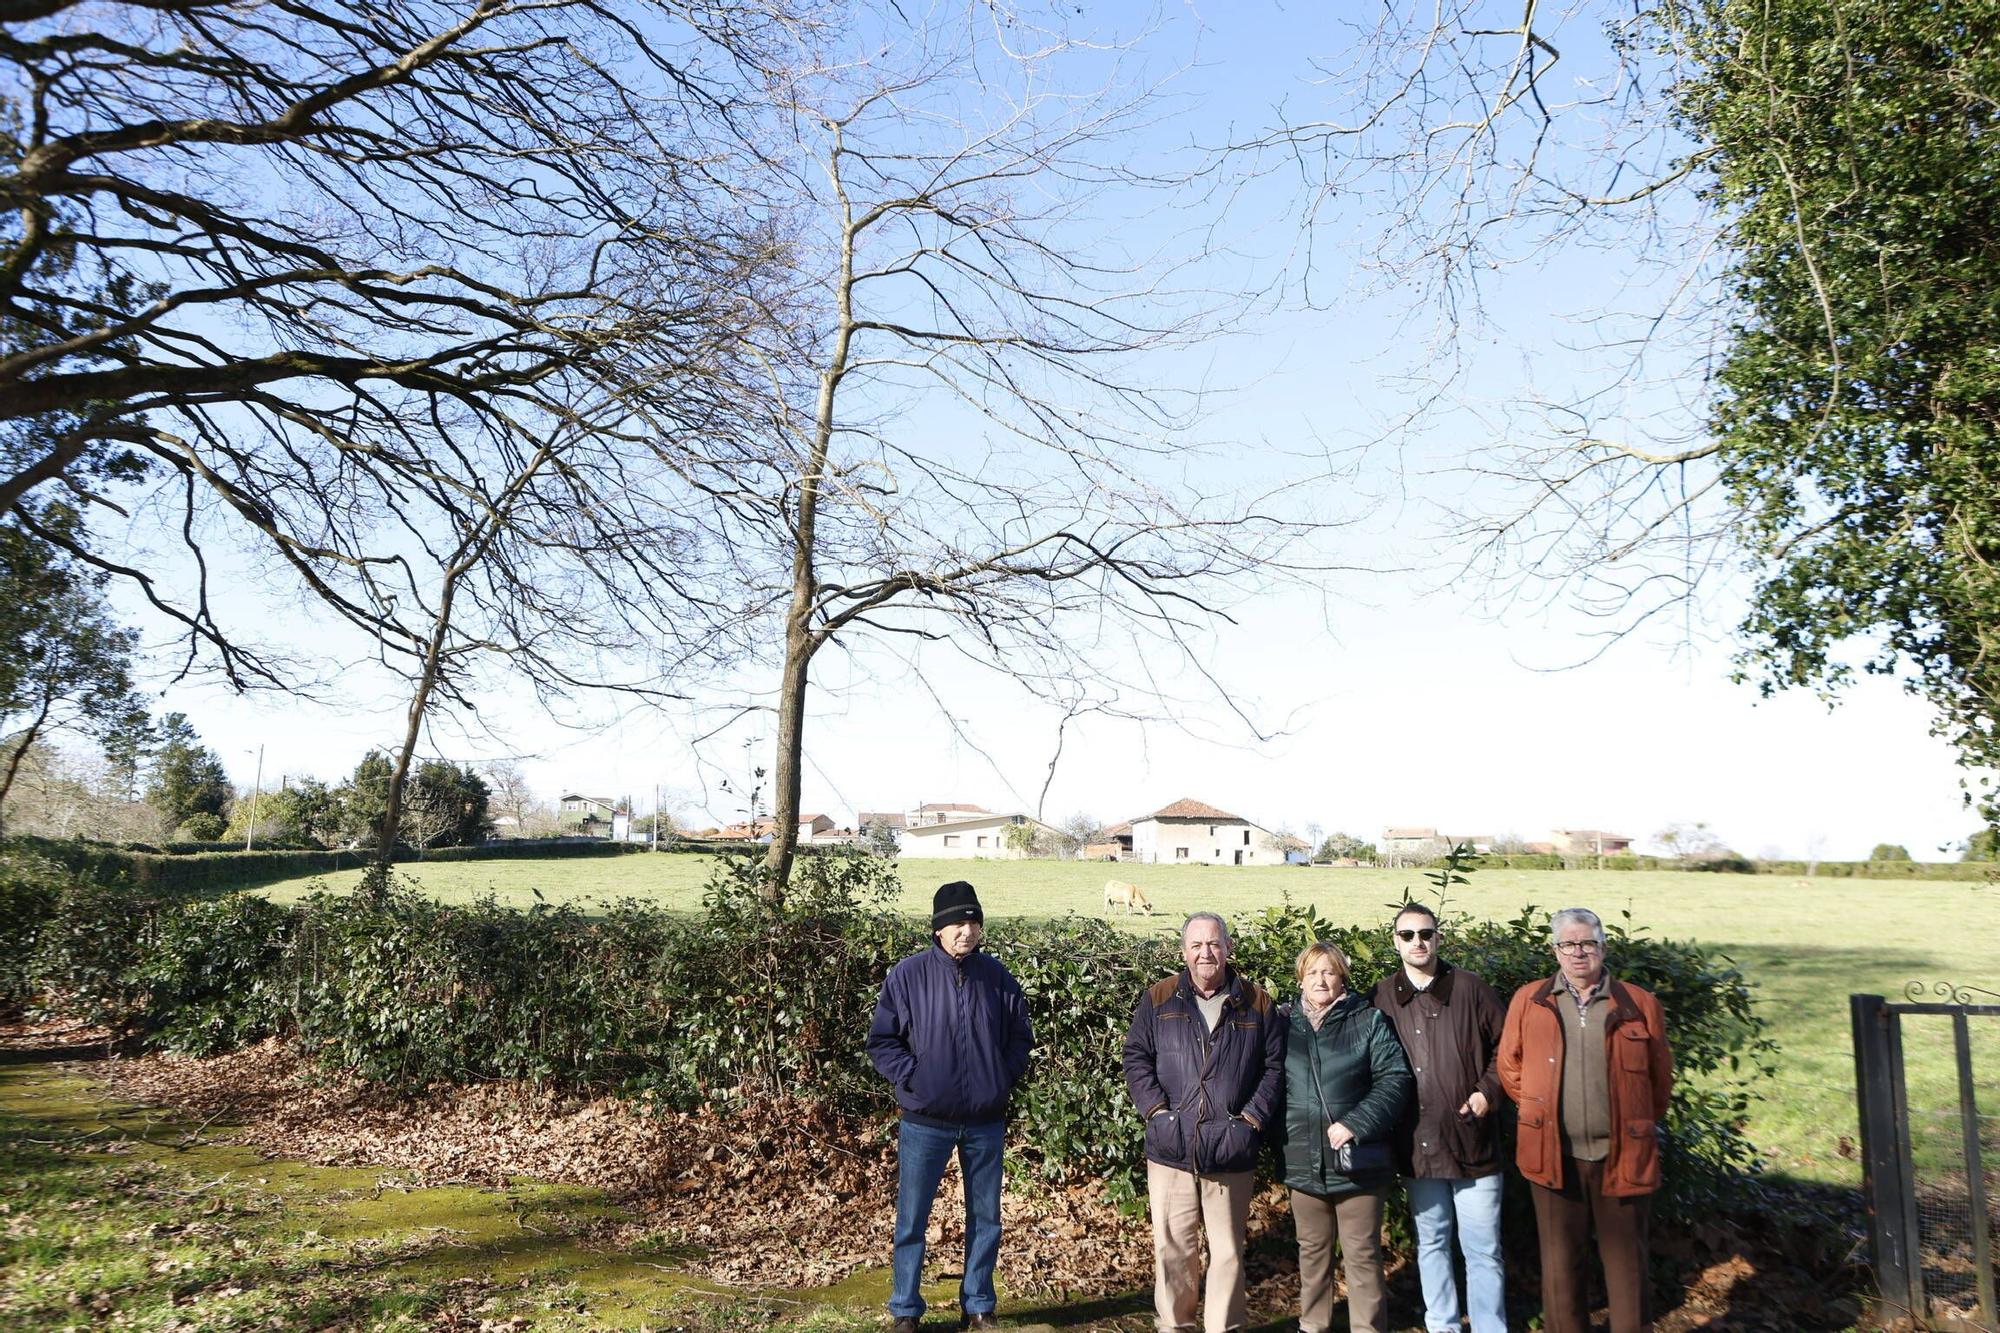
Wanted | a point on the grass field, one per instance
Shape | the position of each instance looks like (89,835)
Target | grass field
(1807,945)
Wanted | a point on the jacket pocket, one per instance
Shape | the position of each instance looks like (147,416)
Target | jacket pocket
(1235,1146)
(1532,1140)
(1635,1049)
(1642,1154)
(1163,1139)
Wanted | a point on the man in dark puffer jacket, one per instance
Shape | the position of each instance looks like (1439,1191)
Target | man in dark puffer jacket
(951,1035)
(1204,1062)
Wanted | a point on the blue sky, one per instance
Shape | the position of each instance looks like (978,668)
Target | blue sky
(1388,695)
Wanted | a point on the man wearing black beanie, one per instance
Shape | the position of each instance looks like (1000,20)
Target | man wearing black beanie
(951,1035)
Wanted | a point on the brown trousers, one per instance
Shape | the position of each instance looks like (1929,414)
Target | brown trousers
(1185,1208)
(1357,1217)
(1565,1219)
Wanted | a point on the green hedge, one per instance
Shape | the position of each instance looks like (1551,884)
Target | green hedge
(743,1000)
(527,847)
(1914,870)
(205,872)
(196,872)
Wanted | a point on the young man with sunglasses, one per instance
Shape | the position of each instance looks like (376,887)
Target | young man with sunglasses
(1450,1022)
(1585,1056)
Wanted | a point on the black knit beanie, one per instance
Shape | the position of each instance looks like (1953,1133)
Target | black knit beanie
(953,903)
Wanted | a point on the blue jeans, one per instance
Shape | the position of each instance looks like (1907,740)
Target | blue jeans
(1472,1208)
(921,1154)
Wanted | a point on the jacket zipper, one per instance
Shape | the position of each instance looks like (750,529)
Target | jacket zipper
(1201,1079)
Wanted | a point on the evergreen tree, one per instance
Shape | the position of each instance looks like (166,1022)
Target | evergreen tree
(186,778)
(364,798)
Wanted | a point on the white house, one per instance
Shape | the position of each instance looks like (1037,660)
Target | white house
(1191,833)
(969,838)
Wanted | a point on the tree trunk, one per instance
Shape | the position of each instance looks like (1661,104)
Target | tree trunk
(20,753)
(376,882)
(801,638)
(791,759)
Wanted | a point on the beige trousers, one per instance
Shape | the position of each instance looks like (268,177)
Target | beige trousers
(1357,1217)
(1184,1208)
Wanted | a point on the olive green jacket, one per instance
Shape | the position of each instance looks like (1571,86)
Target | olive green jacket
(1352,1070)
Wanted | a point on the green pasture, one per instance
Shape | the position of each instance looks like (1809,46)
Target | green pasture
(1806,944)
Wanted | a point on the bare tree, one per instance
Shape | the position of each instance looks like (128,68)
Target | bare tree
(978,459)
(281,276)
(512,798)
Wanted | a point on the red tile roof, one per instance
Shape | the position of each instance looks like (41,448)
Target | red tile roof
(1190,809)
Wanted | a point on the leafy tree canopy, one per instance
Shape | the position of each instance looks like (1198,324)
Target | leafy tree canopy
(1345,846)
(65,664)
(1855,159)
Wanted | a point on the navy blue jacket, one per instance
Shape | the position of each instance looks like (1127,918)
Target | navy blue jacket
(1206,1097)
(951,1036)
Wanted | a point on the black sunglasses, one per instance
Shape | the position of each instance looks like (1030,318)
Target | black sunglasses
(1426,933)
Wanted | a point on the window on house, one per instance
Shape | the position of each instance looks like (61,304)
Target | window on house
(982,840)
(1211,830)
(951,840)
(1180,853)
(1246,837)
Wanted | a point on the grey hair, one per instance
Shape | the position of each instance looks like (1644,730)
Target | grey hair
(1572,916)
(1205,916)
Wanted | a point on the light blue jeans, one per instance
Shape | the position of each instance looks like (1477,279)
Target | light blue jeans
(1471,1208)
(921,1154)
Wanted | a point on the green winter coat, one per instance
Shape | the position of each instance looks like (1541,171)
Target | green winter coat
(1351,1070)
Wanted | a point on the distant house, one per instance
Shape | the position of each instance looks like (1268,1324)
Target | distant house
(969,838)
(1189,832)
(811,826)
(601,807)
(745,830)
(867,819)
(595,815)
(1113,844)
(1589,842)
(1410,843)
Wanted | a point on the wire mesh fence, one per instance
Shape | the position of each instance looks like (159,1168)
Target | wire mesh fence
(1951,1098)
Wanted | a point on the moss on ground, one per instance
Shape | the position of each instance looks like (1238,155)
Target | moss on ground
(119,1216)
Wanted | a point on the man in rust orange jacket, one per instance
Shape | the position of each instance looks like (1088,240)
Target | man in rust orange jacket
(1585,1058)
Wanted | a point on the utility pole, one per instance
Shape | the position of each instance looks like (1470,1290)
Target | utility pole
(250,836)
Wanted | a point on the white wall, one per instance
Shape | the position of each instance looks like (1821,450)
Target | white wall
(1158,841)
(958,842)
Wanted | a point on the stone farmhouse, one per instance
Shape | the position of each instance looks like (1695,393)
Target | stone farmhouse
(1190,832)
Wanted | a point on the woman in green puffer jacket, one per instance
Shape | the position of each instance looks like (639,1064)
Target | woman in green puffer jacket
(1346,1082)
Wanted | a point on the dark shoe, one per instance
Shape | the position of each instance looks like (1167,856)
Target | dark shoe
(905,1323)
(978,1321)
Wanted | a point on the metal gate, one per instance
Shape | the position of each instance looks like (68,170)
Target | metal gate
(1927,1076)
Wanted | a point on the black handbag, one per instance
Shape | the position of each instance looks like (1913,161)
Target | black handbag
(1355,1159)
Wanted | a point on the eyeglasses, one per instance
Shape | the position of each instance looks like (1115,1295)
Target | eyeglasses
(1575,948)
(1427,933)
